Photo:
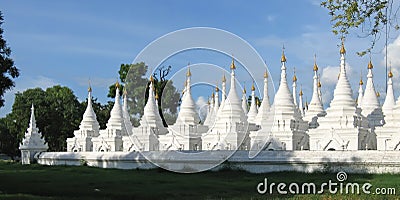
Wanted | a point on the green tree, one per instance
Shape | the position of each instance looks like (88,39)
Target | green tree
(7,69)
(366,17)
(136,84)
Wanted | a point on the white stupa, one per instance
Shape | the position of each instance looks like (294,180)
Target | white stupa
(186,133)
(284,129)
(110,139)
(263,111)
(389,103)
(223,94)
(339,129)
(360,93)
(211,115)
(88,128)
(145,137)
(294,87)
(315,108)
(252,114)
(387,136)
(370,104)
(231,127)
(244,101)
(32,143)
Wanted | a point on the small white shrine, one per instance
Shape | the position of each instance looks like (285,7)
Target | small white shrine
(32,143)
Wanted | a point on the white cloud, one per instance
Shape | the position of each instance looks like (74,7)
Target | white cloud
(201,105)
(271,18)
(393,56)
(330,74)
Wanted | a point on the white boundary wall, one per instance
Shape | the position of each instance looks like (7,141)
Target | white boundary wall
(266,161)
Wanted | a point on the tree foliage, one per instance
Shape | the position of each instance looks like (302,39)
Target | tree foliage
(7,69)
(368,17)
(136,85)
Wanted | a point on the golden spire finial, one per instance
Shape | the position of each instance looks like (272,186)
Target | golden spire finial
(283,58)
(370,66)
(156,97)
(361,81)
(265,74)
(212,95)
(117,84)
(342,49)
(188,73)
(252,87)
(151,78)
(217,89)
(390,74)
(294,75)
(315,63)
(233,64)
(124,91)
(319,81)
(378,94)
(223,78)
(90,87)
(301,90)
(244,89)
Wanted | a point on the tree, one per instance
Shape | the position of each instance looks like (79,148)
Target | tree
(8,71)
(58,113)
(136,84)
(371,16)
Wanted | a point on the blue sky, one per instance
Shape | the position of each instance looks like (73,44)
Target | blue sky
(70,42)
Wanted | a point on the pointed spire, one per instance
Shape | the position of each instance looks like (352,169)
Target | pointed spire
(342,103)
(265,105)
(315,63)
(89,119)
(370,100)
(284,101)
(188,73)
(32,121)
(316,106)
(116,116)
(252,114)
(319,88)
(301,107)
(294,87)
(187,114)
(151,117)
(223,94)
(244,100)
(283,57)
(233,64)
(389,103)
(360,92)
(342,49)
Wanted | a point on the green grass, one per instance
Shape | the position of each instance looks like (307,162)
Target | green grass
(68,182)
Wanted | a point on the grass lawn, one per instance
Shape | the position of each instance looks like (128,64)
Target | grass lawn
(81,182)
